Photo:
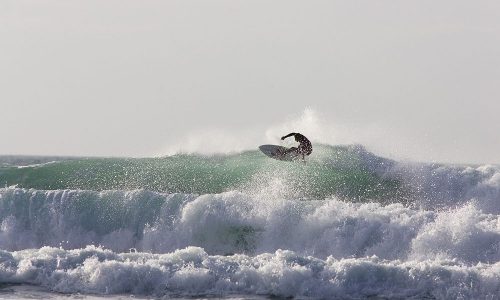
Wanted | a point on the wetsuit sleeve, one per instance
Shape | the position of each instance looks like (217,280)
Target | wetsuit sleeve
(288,135)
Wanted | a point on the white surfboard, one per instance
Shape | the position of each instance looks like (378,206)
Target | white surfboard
(278,152)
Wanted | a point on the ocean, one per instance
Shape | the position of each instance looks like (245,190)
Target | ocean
(348,224)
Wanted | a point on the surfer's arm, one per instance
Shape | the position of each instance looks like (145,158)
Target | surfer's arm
(288,135)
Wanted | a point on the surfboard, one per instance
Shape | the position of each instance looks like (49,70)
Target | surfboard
(278,152)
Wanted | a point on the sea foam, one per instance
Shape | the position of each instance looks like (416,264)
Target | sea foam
(236,222)
(284,273)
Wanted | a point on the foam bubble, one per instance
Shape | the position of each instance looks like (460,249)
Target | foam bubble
(458,234)
(237,222)
(283,273)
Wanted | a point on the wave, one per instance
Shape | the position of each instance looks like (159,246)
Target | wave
(283,273)
(346,172)
(338,170)
(234,222)
(347,224)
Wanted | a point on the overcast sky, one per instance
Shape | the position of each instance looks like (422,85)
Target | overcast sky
(411,79)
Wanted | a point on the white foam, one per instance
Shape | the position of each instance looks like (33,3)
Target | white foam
(458,234)
(236,222)
(36,165)
(283,273)
(333,248)
(440,186)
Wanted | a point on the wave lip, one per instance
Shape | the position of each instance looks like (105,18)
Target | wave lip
(192,272)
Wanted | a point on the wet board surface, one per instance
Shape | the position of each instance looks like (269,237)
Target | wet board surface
(277,152)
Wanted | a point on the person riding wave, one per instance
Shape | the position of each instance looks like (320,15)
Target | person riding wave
(304,148)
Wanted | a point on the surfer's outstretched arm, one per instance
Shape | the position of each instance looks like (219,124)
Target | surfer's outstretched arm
(288,135)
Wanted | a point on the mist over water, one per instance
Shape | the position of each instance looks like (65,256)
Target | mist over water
(320,128)
(316,126)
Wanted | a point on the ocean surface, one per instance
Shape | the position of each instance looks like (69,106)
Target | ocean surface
(348,224)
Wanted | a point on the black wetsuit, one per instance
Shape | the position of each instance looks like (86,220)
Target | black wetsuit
(305,147)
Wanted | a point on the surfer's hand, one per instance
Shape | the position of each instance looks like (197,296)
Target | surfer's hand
(282,138)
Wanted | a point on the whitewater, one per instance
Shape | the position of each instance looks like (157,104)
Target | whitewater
(348,224)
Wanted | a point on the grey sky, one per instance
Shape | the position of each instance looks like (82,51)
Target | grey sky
(412,79)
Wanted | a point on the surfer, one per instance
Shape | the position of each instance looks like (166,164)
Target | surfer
(305,147)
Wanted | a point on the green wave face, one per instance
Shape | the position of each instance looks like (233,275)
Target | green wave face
(344,171)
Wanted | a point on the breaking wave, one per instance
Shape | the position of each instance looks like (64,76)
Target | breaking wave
(346,224)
